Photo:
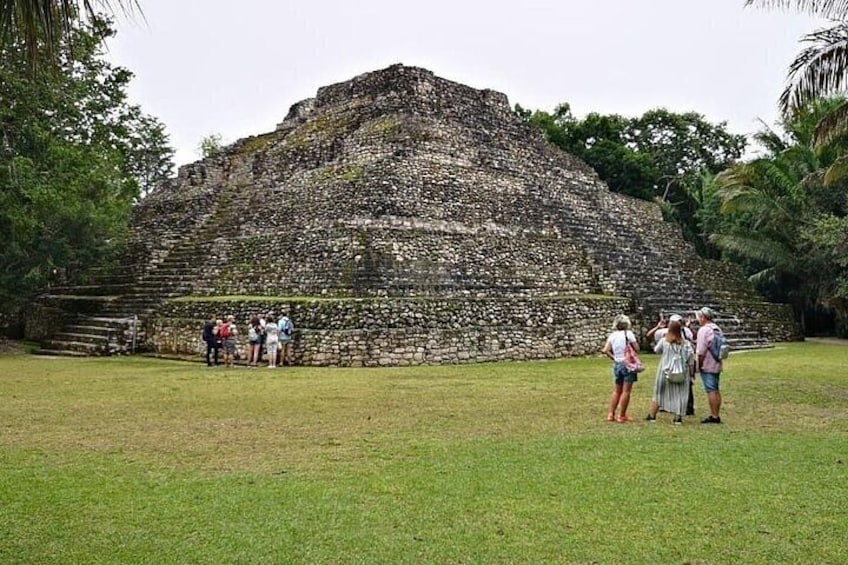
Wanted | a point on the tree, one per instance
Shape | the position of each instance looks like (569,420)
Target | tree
(73,156)
(601,141)
(149,157)
(210,145)
(660,155)
(782,222)
(821,68)
(43,26)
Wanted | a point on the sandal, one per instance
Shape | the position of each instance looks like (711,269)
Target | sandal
(624,419)
(611,417)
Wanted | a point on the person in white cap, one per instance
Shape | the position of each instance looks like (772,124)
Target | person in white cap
(658,332)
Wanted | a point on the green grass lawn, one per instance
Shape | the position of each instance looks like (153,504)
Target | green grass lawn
(132,460)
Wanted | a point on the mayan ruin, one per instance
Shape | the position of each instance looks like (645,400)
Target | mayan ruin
(400,219)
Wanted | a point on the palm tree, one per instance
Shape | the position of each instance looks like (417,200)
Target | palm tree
(772,207)
(830,9)
(821,68)
(39,25)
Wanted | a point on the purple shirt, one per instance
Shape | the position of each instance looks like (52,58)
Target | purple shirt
(705,339)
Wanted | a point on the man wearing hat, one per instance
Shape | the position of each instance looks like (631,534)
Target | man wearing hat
(710,366)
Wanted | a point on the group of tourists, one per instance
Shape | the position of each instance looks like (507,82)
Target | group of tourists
(683,353)
(267,335)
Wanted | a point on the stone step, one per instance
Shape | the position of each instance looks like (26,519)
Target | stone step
(141,298)
(128,313)
(59,352)
(93,338)
(83,347)
(175,264)
(166,277)
(76,329)
(105,289)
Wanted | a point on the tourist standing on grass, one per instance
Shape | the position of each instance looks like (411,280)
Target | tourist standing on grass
(210,337)
(262,321)
(689,335)
(676,355)
(659,331)
(229,334)
(272,340)
(286,328)
(710,366)
(254,341)
(623,378)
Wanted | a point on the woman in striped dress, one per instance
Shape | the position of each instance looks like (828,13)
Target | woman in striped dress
(668,395)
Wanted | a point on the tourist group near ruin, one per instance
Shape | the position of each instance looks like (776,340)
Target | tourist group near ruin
(415,221)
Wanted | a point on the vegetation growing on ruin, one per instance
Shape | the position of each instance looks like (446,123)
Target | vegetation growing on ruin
(256,143)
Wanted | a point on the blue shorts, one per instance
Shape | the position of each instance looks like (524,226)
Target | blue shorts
(620,374)
(710,381)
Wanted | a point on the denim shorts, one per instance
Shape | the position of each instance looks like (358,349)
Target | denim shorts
(710,381)
(620,374)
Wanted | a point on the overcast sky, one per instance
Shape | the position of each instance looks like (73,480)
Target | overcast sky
(235,68)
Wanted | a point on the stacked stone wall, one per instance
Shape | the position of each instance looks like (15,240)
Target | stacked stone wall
(774,322)
(400,258)
(377,332)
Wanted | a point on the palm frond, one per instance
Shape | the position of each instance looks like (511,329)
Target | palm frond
(819,69)
(40,24)
(836,171)
(799,160)
(766,251)
(812,180)
(764,276)
(772,141)
(832,127)
(831,9)
(780,178)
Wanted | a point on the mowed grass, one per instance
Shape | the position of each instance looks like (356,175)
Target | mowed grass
(131,460)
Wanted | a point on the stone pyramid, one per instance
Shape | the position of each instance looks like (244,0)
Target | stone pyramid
(401,218)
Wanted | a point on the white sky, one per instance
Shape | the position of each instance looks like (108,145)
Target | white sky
(235,68)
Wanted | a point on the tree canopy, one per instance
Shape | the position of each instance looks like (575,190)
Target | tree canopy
(660,155)
(784,216)
(74,155)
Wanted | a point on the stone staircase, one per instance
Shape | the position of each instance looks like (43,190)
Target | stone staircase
(118,305)
(117,326)
(655,273)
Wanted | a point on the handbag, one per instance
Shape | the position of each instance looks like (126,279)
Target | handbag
(631,359)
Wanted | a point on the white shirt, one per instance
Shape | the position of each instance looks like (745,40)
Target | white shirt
(618,344)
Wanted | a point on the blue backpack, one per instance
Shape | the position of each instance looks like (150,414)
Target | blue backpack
(719,348)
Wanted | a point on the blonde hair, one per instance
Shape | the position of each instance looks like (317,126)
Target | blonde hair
(621,322)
